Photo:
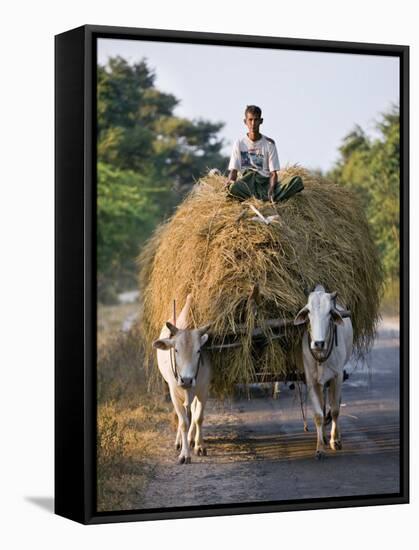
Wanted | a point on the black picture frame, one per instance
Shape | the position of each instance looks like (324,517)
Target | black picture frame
(75,272)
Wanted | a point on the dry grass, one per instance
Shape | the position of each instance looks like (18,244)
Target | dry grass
(120,369)
(243,272)
(127,448)
(129,419)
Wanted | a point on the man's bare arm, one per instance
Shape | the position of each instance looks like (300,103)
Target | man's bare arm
(273,180)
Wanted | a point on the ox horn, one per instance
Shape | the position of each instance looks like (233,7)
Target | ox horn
(173,330)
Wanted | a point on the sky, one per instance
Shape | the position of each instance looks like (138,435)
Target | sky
(310,100)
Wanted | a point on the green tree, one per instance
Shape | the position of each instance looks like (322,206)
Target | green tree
(371,167)
(137,127)
(148,158)
(127,212)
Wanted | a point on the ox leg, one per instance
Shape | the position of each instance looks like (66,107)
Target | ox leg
(317,399)
(178,441)
(197,420)
(185,454)
(335,392)
(192,428)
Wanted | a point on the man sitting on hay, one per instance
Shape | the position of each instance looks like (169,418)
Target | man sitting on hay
(256,157)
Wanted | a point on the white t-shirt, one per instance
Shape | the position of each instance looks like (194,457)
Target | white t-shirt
(260,155)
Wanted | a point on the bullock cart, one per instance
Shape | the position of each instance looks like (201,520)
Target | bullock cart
(248,266)
(278,330)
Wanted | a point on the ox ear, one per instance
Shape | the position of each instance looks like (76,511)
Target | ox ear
(173,330)
(203,334)
(204,339)
(204,329)
(164,344)
(336,316)
(302,316)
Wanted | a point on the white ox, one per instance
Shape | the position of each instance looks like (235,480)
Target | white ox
(187,370)
(327,347)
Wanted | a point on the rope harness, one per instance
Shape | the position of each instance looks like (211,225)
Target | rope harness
(333,339)
(173,363)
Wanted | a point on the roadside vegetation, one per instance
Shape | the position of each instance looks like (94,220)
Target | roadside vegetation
(371,168)
(130,420)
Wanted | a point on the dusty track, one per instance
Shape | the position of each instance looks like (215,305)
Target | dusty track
(258,450)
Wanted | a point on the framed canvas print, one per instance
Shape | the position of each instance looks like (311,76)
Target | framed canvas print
(231,274)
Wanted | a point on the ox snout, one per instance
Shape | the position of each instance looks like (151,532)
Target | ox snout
(185,382)
(318,344)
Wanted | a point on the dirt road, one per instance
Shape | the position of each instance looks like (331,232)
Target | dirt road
(258,450)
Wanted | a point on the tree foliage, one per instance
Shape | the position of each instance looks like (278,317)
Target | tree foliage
(371,166)
(148,158)
(127,211)
(138,128)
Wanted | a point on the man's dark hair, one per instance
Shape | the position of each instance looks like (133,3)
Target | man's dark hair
(254,110)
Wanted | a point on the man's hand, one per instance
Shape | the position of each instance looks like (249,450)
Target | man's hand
(231,178)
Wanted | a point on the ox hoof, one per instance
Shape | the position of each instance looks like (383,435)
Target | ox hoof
(200,451)
(336,445)
(319,455)
(184,460)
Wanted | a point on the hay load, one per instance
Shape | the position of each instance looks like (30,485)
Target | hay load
(243,273)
